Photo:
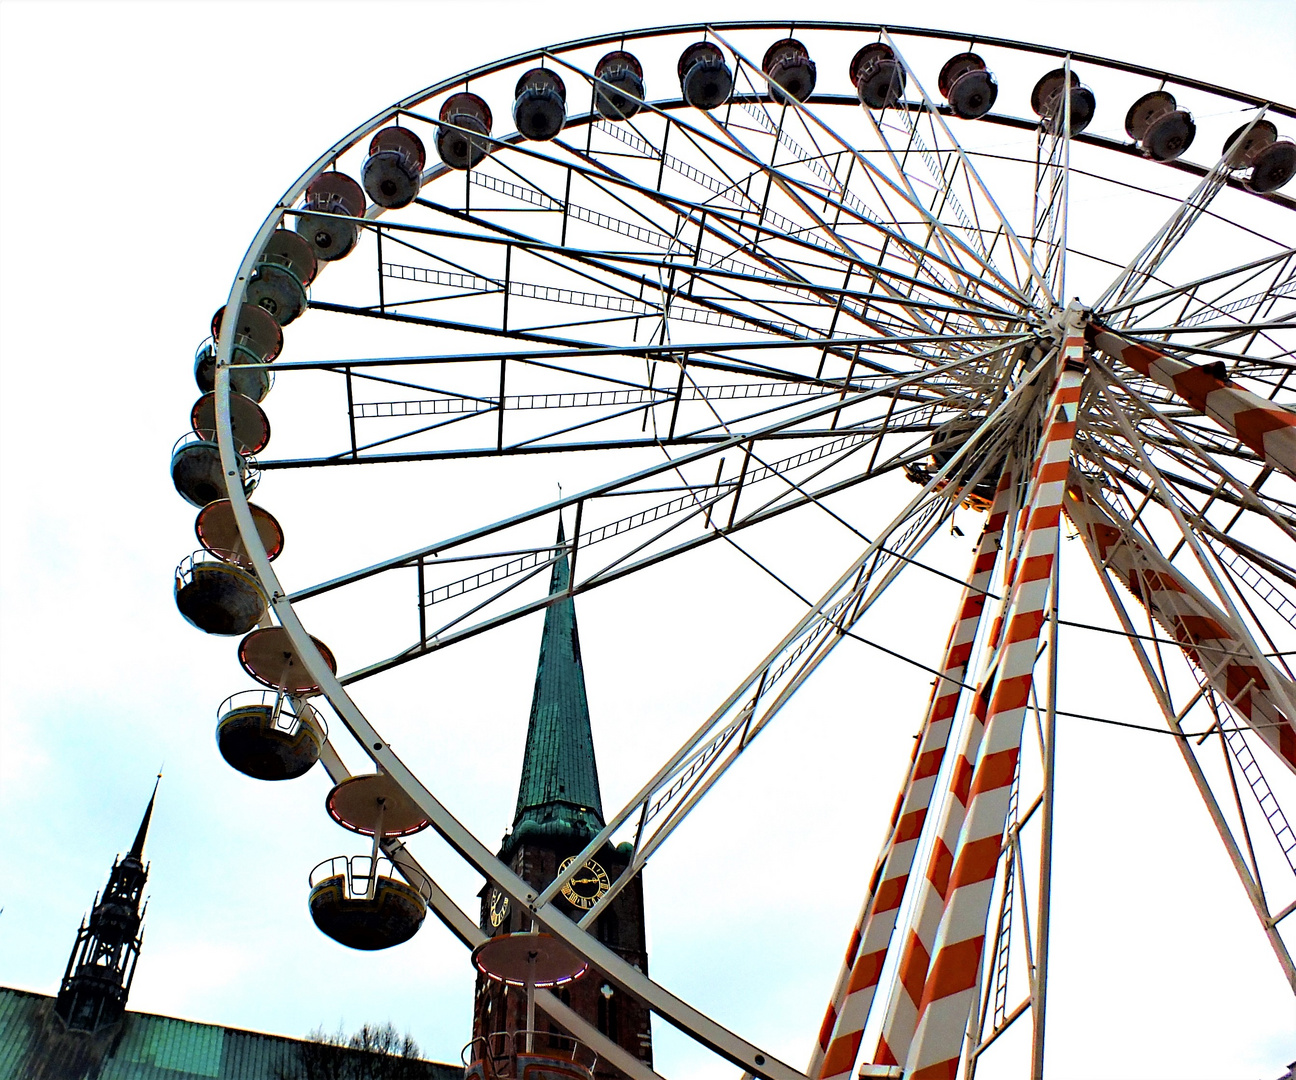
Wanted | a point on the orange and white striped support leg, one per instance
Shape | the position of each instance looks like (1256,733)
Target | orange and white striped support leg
(929,902)
(1268,429)
(857,982)
(901,1015)
(950,990)
(1210,638)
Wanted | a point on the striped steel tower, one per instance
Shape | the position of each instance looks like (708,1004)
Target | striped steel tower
(949,991)
(848,1011)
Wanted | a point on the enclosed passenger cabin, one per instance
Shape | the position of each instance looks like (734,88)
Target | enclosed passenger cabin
(269,656)
(705,79)
(1049,100)
(619,93)
(265,735)
(258,339)
(1273,167)
(539,104)
(251,382)
(393,171)
(218,532)
(790,70)
(1256,146)
(878,77)
(528,1055)
(284,271)
(196,469)
(367,910)
(220,594)
(1246,143)
(533,961)
(1162,131)
(360,904)
(249,424)
(968,86)
(462,141)
(336,194)
(217,596)
(197,472)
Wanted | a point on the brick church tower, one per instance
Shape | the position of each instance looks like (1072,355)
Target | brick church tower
(559,810)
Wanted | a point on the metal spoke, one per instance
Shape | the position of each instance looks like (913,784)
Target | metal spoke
(974,177)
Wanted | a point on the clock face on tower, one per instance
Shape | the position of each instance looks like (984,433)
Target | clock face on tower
(587,884)
(499,906)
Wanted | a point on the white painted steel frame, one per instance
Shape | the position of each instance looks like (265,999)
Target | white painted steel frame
(727,1044)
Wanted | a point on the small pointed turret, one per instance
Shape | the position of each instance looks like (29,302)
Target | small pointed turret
(93,993)
(558,797)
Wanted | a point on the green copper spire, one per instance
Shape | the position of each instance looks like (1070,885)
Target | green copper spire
(558,797)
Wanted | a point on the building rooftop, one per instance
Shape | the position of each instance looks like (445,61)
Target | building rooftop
(35,1046)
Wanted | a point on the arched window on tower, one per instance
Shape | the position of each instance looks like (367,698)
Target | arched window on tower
(609,928)
(608,1013)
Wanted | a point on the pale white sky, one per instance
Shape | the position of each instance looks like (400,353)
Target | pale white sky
(141,145)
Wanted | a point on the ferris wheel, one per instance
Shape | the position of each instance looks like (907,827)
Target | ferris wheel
(753,279)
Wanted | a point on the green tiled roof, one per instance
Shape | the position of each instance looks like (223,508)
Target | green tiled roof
(170,1045)
(17,1011)
(34,1046)
(559,793)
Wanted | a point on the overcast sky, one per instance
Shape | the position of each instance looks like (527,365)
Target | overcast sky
(142,145)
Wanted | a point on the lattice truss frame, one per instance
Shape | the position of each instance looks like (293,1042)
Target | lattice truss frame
(763,307)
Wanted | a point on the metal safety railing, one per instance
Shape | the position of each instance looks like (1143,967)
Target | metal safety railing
(497,1055)
(360,875)
(286,715)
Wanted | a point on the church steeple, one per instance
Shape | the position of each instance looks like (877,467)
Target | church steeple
(559,811)
(558,797)
(99,971)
